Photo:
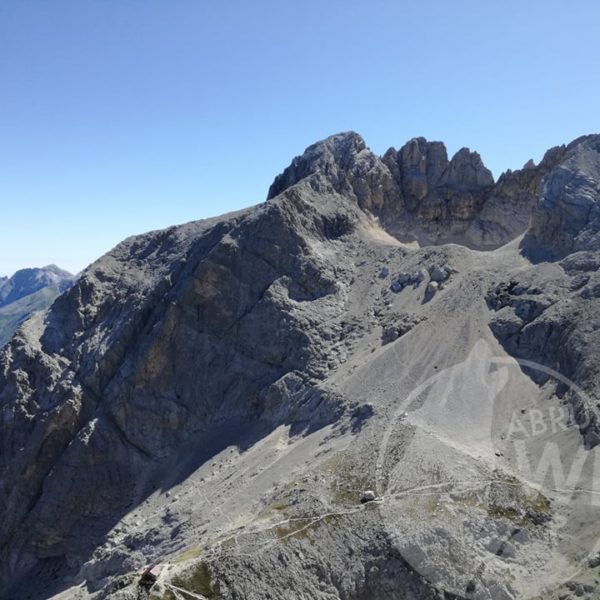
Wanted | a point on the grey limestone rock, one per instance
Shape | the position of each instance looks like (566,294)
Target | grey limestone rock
(439,274)
(567,216)
(417,193)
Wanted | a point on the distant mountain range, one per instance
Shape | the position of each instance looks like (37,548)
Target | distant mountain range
(26,291)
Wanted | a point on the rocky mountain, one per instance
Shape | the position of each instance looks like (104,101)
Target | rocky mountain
(380,383)
(417,194)
(26,291)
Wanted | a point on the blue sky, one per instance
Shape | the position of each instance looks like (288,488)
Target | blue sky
(120,116)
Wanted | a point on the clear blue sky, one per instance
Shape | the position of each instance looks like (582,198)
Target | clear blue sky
(120,116)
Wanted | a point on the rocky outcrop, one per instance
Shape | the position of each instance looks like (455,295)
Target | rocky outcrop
(567,216)
(417,193)
(548,316)
(439,196)
(507,211)
(341,164)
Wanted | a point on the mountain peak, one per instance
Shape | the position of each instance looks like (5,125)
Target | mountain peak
(27,291)
(29,280)
(325,157)
(417,192)
(418,161)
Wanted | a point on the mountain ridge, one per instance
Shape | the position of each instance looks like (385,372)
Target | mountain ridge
(420,195)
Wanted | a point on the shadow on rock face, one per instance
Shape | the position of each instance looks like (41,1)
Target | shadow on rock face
(162,355)
(532,250)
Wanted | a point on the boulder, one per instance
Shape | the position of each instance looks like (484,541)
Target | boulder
(420,276)
(368,496)
(432,288)
(400,281)
(390,334)
(439,274)
(396,286)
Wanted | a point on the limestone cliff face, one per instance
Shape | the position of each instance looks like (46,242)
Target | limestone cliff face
(508,209)
(567,217)
(213,337)
(417,193)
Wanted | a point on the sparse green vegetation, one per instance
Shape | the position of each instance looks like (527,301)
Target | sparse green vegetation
(190,553)
(228,542)
(280,506)
(509,500)
(506,512)
(199,581)
(301,527)
(347,484)
(168,595)
(538,502)
(296,527)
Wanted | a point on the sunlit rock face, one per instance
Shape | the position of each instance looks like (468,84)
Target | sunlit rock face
(418,194)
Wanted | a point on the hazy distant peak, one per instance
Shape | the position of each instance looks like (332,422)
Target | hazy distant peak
(30,280)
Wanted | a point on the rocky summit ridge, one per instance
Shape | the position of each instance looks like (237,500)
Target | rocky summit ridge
(250,406)
(417,193)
